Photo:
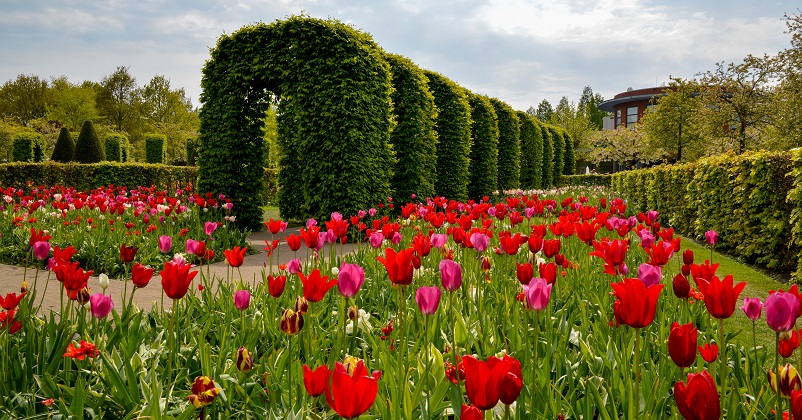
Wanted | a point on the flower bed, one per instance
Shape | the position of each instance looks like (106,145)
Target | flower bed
(548,306)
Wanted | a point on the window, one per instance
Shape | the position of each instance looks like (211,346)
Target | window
(632,116)
(617,118)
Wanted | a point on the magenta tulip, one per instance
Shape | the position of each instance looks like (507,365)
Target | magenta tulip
(537,293)
(242,299)
(100,305)
(209,228)
(350,279)
(376,239)
(650,274)
(451,275)
(752,308)
(41,250)
(165,243)
(782,309)
(711,237)
(428,298)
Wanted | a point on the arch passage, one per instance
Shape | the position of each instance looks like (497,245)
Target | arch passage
(334,114)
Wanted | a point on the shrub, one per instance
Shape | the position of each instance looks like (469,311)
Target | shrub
(23,146)
(483,169)
(531,152)
(558,149)
(192,153)
(114,146)
(39,149)
(413,138)
(86,177)
(586,180)
(509,146)
(65,147)
(453,125)
(548,156)
(569,165)
(154,148)
(87,148)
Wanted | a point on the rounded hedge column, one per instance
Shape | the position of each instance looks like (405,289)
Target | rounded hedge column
(413,138)
(509,146)
(24,145)
(531,152)
(154,148)
(569,167)
(65,147)
(548,157)
(333,88)
(453,127)
(115,143)
(484,149)
(558,149)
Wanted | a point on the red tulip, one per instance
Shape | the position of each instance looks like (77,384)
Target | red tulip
(141,275)
(511,243)
(275,285)
(315,381)
(350,395)
(535,243)
(310,236)
(38,236)
(720,295)
(84,349)
(796,404)
(73,277)
(63,255)
(470,412)
(659,253)
(510,384)
(236,256)
(422,245)
(698,399)
(613,253)
(709,352)
(275,226)
(548,271)
(11,301)
(636,304)
(293,241)
(176,279)
(586,231)
(551,247)
(398,265)
(127,253)
(682,344)
(524,272)
(315,285)
(687,257)
(484,380)
(681,286)
(705,271)
(786,346)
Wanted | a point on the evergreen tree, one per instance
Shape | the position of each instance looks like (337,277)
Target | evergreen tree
(87,148)
(557,148)
(569,165)
(65,147)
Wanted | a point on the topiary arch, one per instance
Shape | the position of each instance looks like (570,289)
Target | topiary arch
(332,87)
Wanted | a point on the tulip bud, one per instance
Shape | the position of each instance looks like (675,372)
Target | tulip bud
(687,257)
(686,270)
(301,305)
(682,288)
(244,360)
(103,279)
(242,299)
(353,312)
(83,296)
(24,286)
(291,322)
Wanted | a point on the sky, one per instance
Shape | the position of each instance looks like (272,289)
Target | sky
(520,51)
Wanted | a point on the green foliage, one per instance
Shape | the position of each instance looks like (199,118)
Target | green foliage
(65,147)
(192,153)
(743,198)
(39,149)
(87,177)
(531,152)
(558,149)
(334,125)
(87,148)
(414,139)
(548,156)
(483,169)
(25,145)
(453,127)
(114,146)
(154,148)
(509,146)
(569,161)
(586,180)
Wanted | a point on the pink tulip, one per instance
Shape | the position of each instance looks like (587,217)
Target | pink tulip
(361,213)
(294,266)
(428,298)
(646,238)
(376,239)
(41,249)
(310,223)
(192,246)
(209,228)
(100,305)
(537,293)
(451,275)
(396,239)
(372,212)
(782,309)
(650,274)
(165,243)
(711,237)
(242,299)
(752,308)
(652,215)
(480,241)
(350,279)
(439,240)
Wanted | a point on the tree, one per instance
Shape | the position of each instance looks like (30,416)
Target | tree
(576,123)
(544,111)
(168,111)
(72,104)
(669,124)
(509,146)
(118,99)
(65,147)
(88,148)
(25,98)
(589,107)
(786,98)
(623,145)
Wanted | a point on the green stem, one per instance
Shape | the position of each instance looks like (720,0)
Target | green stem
(777,378)
(637,369)
(171,338)
(723,357)
(535,361)
(453,339)
(428,365)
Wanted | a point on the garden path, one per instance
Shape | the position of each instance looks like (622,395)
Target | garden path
(146,297)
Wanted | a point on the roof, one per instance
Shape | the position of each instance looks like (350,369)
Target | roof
(632,96)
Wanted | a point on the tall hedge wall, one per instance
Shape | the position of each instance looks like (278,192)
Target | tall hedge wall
(569,165)
(335,90)
(114,144)
(453,126)
(746,198)
(558,150)
(154,148)
(413,138)
(483,169)
(531,152)
(25,145)
(547,179)
(509,146)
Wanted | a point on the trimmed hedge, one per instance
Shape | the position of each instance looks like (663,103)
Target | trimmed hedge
(65,147)
(414,139)
(746,198)
(27,147)
(335,113)
(114,143)
(509,146)
(483,169)
(569,165)
(558,150)
(531,152)
(453,125)
(586,180)
(154,148)
(192,153)
(547,178)
(87,147)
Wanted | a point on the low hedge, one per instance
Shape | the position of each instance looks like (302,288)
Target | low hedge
(752,200)
(586,180)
